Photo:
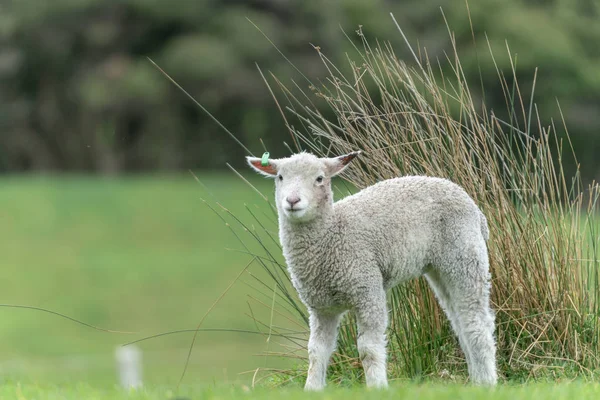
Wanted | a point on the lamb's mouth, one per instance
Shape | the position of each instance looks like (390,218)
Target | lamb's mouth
(294,210)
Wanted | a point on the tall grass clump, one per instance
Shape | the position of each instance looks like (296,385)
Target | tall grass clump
(419,117)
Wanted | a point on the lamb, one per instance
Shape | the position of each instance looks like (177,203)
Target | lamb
(346,256)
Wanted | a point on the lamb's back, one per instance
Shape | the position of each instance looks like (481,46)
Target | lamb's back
(406,220)
(406,197)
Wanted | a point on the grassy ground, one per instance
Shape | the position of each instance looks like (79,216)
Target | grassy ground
(138,254)
(145,254)
(423,392)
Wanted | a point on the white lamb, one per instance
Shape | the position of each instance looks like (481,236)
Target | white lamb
(346,255)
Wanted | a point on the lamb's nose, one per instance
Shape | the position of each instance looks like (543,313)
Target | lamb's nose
(293,200)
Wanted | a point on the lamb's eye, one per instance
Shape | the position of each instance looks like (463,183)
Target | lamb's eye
(320,179)
(280,177)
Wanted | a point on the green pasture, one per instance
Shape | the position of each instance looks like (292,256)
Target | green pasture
(563,391)
(141,254)
(146,254)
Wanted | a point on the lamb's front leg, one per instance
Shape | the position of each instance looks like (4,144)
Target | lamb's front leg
(321,344)
(372,319)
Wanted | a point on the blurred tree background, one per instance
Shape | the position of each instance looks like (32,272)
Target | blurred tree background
(77,92)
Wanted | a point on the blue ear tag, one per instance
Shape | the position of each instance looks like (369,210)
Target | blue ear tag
(265,159)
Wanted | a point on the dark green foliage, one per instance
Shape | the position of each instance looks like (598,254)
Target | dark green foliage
(77,92)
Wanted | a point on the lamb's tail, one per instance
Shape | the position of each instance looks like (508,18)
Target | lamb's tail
(485,231)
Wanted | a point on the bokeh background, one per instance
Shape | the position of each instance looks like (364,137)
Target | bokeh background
(99,216)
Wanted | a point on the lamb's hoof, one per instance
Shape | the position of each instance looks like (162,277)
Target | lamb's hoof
(313,388)
(488,382)
(378,385)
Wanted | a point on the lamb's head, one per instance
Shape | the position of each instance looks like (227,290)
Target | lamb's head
(302,183)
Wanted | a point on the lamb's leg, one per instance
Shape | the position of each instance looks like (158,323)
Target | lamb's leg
(321,344)
(469,294)
(372,321)
(477,326)
(441,293)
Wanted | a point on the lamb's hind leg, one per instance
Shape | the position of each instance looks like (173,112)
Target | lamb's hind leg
(441,293)
(467,283)
(321,344)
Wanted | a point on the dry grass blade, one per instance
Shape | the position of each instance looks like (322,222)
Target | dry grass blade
(189,355)
(63,316)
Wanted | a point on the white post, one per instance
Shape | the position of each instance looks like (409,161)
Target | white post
(129,366)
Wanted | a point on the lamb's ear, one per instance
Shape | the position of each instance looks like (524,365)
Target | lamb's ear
(269,170)
(338,164)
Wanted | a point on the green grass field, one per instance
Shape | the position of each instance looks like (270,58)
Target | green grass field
(145,254)
(397,391)
(141,254)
